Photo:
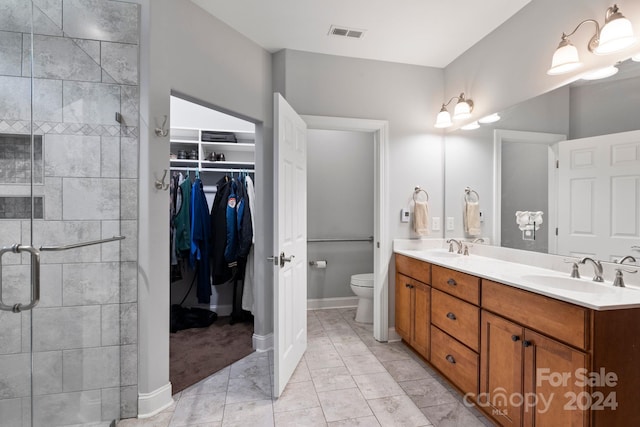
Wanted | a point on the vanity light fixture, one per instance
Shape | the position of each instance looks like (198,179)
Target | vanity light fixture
(600,73)
(471,126)
(491,118)
(462,110)
(616,34)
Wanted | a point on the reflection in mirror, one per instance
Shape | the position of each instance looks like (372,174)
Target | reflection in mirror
(512,166)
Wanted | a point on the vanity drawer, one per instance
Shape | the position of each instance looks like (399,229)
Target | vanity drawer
(412,267)
(459,319)
(461,285)
(455,361)
(563,321)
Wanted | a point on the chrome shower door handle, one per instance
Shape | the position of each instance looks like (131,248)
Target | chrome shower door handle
(35,278)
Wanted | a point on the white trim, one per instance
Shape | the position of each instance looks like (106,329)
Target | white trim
(150,404)
(533,138)
(393,335)
(382,241)
(221,310)
(262,343)
(338,302)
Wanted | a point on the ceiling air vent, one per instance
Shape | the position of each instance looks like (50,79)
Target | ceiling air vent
(346,32)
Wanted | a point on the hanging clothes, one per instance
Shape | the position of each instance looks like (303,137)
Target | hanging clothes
(183,218)
(220,271)
(249,275)
(200,241)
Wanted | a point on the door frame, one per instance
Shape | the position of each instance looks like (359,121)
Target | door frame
(382,243)
(549,139)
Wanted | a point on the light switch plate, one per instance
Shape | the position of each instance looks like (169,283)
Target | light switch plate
(450,223)
(404,215)
(435,223)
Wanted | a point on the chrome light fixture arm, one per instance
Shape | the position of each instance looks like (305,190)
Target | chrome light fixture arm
(593,42)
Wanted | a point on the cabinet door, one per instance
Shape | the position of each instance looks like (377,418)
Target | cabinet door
(403,306)
(501,358)
(421,295)
(550,375)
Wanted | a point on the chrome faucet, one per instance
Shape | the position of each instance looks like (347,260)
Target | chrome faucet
(458,244)
(597,268)
(478,240)
(619,279)
(575,271)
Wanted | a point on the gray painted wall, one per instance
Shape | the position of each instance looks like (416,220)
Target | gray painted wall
(339,205)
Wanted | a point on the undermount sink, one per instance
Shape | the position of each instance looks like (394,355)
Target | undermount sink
(585,286)
(442,254)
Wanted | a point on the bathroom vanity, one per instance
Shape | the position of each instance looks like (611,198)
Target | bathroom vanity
(529,346)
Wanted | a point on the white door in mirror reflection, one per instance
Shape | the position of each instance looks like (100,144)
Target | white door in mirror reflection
(599,195)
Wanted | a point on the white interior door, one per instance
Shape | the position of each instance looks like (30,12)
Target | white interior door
(290,249)
(599,195)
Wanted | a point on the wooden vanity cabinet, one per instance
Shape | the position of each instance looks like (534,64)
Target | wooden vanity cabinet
(413,303)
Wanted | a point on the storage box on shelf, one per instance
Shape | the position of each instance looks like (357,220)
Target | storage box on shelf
(212,156)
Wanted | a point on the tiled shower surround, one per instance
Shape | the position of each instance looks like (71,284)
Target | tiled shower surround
(84,331)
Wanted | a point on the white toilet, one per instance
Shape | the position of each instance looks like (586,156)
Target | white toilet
(362,286)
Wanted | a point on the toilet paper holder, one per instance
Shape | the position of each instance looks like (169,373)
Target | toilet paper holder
(319,263)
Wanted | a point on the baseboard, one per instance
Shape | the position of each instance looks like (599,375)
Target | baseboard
(263,342)
(150,404)
(393,335)
(341,302)
(222,310)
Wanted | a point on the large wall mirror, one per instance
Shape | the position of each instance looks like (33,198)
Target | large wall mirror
(559,173)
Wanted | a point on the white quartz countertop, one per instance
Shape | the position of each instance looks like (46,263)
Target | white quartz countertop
(584,291)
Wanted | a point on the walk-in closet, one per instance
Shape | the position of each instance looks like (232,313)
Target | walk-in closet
(211,192)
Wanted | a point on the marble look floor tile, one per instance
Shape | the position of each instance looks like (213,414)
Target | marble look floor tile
(328,379)
(343,404)
(355,422)
(250,367)
(364,364)
(248,389)
(312,417)
(389,352)
(398,411)
(258,413)
(351,349)
(451,415)
(160,420)
(199,409)
(318,341)
(378,385)
(427,392)
(301,373)
(215,383)
(405,370)
(297,396)
(324,359)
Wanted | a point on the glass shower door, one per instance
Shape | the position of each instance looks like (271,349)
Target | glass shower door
(68,191)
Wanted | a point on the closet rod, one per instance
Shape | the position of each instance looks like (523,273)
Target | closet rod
(357,239)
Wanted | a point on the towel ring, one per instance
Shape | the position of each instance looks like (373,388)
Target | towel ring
(468,195)
(417,191)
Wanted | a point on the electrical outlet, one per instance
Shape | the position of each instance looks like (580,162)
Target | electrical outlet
(450,223)
(481,216)
(435,223)
(404,215)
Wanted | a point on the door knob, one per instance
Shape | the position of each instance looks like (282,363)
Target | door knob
(281,259)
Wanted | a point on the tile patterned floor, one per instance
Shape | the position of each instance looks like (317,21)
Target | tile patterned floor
(345,378)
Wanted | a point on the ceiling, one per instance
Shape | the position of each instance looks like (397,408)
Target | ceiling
(421,32)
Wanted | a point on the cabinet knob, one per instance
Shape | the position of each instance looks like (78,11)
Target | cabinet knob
(407,285)
(526,343)
(451,316)
(515,338)
(451,282)
(450,359)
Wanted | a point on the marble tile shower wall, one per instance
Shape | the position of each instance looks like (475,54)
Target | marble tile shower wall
(84,332)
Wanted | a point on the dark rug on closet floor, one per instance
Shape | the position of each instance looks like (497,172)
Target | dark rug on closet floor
(199,352)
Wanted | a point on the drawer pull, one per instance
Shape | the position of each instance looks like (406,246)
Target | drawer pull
(526,343)
(451,282)
(451,316)
(450,359)
(515,338)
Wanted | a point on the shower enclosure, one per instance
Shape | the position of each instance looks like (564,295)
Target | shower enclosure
(68,211)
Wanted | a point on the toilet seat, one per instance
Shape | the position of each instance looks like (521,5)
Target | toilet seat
(364,280)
